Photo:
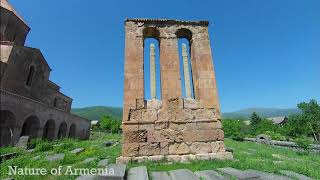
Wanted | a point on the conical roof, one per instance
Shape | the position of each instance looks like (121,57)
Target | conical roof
(6,5)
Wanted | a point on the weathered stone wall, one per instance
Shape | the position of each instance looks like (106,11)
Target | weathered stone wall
(172,126)
(23,108)
(185,127)
(30,103)
(12,26)
(18,60)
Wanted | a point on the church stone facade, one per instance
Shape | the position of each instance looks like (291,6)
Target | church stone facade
(174,127)
(31,104)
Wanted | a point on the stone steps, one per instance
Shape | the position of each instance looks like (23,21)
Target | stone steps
(141,173)
(210,175)
(242,175)
(115,172)
(160,176)
(183,174)
(268,176)
(138,173)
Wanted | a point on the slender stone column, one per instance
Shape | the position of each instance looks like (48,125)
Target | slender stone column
(186,73)
(152,72)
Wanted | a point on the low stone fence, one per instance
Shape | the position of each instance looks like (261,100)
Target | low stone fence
(286,144)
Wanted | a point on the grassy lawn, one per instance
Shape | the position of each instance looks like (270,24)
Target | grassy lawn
(260,159)
(247,156)
(94,149)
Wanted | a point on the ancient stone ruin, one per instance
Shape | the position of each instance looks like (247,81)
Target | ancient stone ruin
(31,105)
(174,127)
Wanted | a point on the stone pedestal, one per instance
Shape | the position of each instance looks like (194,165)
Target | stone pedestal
(183,131)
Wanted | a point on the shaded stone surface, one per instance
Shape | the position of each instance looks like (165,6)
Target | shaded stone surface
(7,156)
(183,174)
(263,139)
(268,176)
(210,175)
(55,157)
(108,143)
(23,142)
(138,173)
(295,175)
(77,151)
(103,162)
(238,173)
(160,176)
(177,158)
(88,160)
(119,172)
(88,178)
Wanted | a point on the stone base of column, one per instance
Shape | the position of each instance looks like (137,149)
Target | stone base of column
(176,158)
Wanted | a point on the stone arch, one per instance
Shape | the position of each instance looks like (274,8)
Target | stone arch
(184,33)
(62,130)
(151,32)
(49,130)
(72,131)
(7,123)
(152,74)
(30,127)
(184,37)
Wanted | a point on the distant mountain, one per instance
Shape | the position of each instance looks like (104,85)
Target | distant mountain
(263,112)
(96,112)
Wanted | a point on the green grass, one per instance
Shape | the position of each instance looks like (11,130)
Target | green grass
(262,159)
(24,159)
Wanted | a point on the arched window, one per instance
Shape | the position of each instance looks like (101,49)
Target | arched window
(152,77)
(30,76)
(184,45)
(55,102)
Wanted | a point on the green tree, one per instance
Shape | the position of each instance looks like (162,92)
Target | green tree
(110,123)
(311,116)
(295,126)
(235,129)
(266,125)
(105,122)
(255,120)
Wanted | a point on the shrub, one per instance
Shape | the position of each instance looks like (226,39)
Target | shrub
(238,136)
(233,127)
(303,143)
(43,146)
(275,136)
(66,145)
(34,142)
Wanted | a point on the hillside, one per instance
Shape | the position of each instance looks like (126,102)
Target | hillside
(264,112)
(96,112)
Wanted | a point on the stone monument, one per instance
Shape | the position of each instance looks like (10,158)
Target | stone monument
(173,128)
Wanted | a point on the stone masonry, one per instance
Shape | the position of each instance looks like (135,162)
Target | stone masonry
(175,128)
(30,103)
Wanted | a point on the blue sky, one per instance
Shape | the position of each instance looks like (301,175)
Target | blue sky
(266,53)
